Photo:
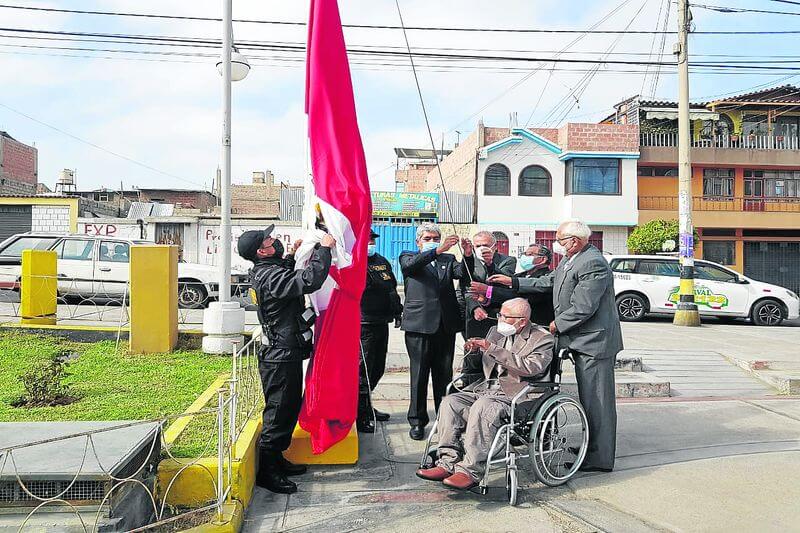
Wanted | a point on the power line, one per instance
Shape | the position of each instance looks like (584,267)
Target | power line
(391,27)
(97,146)
(730,9)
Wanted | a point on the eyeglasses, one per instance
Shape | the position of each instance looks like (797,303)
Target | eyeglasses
(565,238)
(501,315)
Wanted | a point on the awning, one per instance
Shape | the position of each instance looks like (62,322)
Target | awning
(672,114)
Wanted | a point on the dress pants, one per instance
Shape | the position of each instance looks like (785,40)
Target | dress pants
(468,423)
(597,394)
(282,383)
(429,355)
(374,344)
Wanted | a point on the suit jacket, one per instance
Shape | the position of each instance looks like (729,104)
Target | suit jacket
(501,264)
(530,355)
(430,293)
(584,303)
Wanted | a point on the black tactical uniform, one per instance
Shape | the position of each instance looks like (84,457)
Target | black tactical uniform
(280,292)
(380,305)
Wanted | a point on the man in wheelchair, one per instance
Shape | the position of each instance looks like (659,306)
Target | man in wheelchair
(470,418)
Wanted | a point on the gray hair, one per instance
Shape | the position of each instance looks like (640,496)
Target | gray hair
(575,228)
(519,306)
(484,233)
(429,227)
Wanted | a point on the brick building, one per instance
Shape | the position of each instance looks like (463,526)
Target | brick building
(261,197)
(183,199)
(413,166)
(525,181)
(745,154)
(19,167)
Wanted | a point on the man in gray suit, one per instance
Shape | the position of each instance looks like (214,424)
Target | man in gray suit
(587,323)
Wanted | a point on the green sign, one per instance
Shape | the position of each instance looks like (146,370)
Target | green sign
(702,296)
(404,204)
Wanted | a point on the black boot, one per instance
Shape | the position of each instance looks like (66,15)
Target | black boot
(364,423)
(270,476)
(290,469)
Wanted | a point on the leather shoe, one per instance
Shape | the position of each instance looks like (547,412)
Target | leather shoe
(290,469)
(436,473)
(417,432)
(272,479)
(365,425)
(460,481)
(380,416)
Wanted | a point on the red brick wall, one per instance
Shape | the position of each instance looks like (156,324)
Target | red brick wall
(201,200)
(551,134)
(414,176)
(599,137)
(19,162)
(492,135)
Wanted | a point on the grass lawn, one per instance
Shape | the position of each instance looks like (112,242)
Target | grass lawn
(111,385)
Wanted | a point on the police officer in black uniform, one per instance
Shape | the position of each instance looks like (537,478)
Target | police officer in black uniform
(380,304)
(279,292)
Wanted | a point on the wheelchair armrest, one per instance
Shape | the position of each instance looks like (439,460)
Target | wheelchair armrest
(465,380)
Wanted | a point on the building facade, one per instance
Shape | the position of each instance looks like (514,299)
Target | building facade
(745,177)
(19,167)
(525,181)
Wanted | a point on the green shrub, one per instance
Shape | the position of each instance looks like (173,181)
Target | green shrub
(44,384)
(649,238)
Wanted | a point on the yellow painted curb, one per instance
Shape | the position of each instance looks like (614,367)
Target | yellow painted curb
(344,452)
(232,519)
(176,428)
(65,327)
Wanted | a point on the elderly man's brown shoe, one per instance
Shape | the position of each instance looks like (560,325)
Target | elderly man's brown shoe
(437,473)
(460,481)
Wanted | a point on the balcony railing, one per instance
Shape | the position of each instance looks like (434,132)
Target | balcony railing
(708,203)
(739,142)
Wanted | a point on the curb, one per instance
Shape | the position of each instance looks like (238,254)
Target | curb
(785,383)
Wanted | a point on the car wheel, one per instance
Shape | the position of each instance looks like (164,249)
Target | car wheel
(767,313)
(631,307)
(192,296)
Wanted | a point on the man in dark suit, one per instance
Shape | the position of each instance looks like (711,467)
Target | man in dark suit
(535,262)
(431,319)
(480,317)
(587,323)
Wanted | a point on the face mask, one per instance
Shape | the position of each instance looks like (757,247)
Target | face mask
(371,250)
(526,262)
(559,248)
(482,250)
(278,245)
(430,245)
(505,329)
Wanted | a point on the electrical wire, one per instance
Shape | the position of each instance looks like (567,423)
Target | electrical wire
(730,9)
(98,147)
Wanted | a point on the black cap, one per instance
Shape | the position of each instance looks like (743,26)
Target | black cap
(372,234)
(251,241)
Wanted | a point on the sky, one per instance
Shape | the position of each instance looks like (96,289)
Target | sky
(152,120)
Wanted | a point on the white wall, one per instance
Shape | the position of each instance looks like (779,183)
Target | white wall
(50,218)
(609,210)
(207,232)
(110,227)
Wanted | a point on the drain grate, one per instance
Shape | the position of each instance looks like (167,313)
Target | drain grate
(80,491)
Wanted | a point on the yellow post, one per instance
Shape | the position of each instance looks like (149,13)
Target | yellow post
(154,298)
(39,287)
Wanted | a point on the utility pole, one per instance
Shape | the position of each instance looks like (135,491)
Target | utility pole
(687,313)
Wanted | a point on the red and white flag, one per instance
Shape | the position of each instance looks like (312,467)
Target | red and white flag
(342,198)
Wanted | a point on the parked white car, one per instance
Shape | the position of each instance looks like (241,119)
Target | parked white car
(98,267)
(649,284)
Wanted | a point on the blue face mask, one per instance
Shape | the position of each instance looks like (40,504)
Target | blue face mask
(427,246)
(371,249)
(525,262)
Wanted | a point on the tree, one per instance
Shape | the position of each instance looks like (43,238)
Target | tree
(649,238)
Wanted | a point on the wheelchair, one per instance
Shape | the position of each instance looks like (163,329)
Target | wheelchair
(551,431)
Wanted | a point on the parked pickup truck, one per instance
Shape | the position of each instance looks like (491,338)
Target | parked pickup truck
(91,267)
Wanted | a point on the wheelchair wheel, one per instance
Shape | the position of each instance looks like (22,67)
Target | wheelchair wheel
(511,480)
(559,439)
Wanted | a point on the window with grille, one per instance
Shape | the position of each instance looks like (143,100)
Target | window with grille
(722,252)
(593,176)
(534,181)
(718,182)
(497,181)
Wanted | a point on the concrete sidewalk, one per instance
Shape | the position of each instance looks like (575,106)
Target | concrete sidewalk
(682,466)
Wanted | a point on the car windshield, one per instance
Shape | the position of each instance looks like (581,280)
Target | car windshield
(27,243)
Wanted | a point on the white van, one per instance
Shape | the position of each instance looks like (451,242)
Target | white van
(98,267)
(649,284)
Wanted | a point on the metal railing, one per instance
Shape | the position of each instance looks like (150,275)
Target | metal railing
(713,203)
(741,142)
(236,403)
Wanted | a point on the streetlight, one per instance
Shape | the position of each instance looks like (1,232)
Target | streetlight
(223,320)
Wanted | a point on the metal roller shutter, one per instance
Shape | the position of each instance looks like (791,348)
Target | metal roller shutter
(773,262)
(14,219)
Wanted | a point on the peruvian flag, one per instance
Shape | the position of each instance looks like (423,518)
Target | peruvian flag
(342,205)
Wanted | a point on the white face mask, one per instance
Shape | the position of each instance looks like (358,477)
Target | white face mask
(559,248)
(482,250)
(505,329)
